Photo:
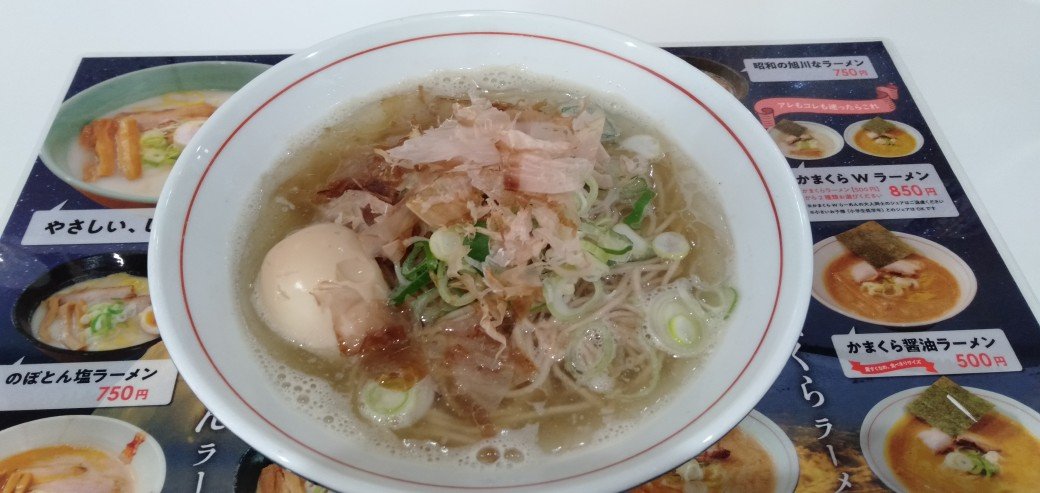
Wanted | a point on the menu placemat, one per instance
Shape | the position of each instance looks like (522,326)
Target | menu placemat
(908,288)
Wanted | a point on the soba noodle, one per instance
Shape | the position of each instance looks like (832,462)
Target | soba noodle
(527,273)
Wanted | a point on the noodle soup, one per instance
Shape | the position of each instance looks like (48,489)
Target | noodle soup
(884,138)
(738,463)
(132,150)
(898,144)
(934,291)
(65,468)
(486,276)
(922,469)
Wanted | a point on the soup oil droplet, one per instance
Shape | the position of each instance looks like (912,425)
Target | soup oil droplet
(487,455)
(513,455)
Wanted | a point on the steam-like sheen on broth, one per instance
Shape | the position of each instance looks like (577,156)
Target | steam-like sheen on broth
(549,268)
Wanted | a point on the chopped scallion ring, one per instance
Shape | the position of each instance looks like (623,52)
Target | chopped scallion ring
(446,244)
(676,322)
(640,248)
(558,293)
(394,408)
(684,330)
(671,245)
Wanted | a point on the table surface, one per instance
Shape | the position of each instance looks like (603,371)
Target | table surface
(972,66)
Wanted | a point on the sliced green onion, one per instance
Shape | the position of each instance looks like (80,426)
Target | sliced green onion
(732,303)
(972,462)
(558,293)
(428,307)
(640,248)
(418,261)
(989,461)
(958,462)
(977,465)
(422,302)
(404,290)
(394,408)
(594,249)
(635,218)
(718,301)
(479,244)
(674,329)
(617,251)
(154,138)
(675,322)
(152,155)
(440,279)
(684,330)
(446,244)
(156,151)
(102,318)
(611,242)
(671,245)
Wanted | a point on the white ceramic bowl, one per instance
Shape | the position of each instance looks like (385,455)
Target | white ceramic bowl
(833,140)
(851,131)
(778,447)
(873,433)
(111,95)
(829,249)
(98,432)
(214,184)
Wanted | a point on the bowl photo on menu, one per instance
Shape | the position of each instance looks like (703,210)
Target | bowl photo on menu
(950,438)
(88,309)
(883,138)
(116,142)
(80,453)
(756,456)
(806,140)
(890,278)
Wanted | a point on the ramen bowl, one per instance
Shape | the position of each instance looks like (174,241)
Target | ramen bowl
(110,95)
(210,197)
(827,251)
(68,275)
(98,435)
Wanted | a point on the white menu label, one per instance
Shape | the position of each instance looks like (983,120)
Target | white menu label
(809,68)
(902,354)
(87,385)
(892,191)
(88,226)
